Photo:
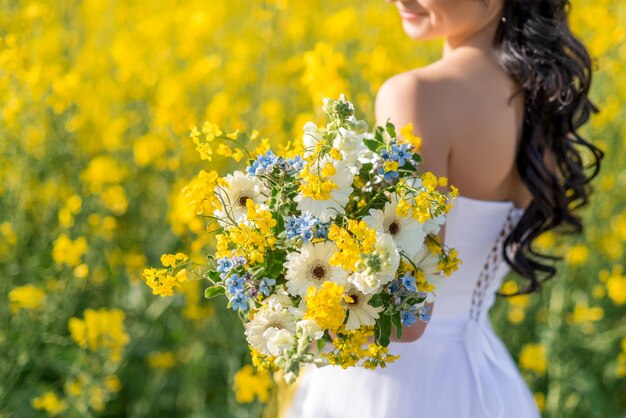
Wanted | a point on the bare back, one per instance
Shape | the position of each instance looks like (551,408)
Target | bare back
(470,133)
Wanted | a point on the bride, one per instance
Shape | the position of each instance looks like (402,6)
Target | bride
(498,115)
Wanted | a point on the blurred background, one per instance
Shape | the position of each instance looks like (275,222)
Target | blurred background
(97,101)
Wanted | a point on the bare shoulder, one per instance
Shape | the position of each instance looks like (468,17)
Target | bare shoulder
(425,97)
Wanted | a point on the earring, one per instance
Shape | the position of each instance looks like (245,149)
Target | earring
(503,19)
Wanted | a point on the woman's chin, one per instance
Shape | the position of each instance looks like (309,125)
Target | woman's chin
(417,32)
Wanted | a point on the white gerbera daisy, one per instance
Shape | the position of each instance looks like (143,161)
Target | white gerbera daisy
(241,188)
(427,262)
(408,233)
(360,312)
(327,209)
(311,267)
(379,267)
(271,331)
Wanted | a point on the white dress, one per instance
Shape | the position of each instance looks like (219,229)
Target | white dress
(459,368)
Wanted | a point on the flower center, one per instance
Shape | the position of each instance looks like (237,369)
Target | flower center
(242,200)
(318,271)
(393,227)
(274,325)
(355,300)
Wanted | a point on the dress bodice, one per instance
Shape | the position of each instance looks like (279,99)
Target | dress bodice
(477,229)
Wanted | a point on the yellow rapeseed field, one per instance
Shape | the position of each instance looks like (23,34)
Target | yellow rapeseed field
(98,98)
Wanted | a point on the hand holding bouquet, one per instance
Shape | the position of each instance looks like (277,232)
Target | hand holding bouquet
(333,245)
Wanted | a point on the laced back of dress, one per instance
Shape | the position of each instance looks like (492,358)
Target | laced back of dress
(488,280)
(477,228)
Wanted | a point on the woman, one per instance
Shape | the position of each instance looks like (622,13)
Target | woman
(498,115)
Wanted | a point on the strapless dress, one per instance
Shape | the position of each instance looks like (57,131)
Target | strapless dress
(459,367)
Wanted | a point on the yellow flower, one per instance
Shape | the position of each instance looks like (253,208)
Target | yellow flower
(391,166)
(171,260)
(583,313)
(349,349)
(616,288)
(162,282)
(81,271)
(545,241)
(408,136)
(74,388)
(100,329)
(161,360)
(113,383)
(577,255)
(200,193)
(321,75)
(540,399)
(316,186)
(114,199)
(101,171)
(329,170)
(50,403)
(429,181)
(261,361)
(27,297)
(66,251)
(325,307)
(204,139)
(335,154)
(515,315)
(248,385)
(402,209)
(533,357)
(449,262)
(352,243)
(97,396)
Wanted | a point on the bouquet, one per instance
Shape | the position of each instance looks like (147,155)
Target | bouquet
(324,252)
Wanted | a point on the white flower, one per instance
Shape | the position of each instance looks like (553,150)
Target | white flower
(279,300)
(327,209)
(408,233)
(352,148)
(311,267)
(379,268)
(360,312)
(433,225)
(278,340)
(427,262)
(263,331)
(241,188)
(312,135)
(310,329)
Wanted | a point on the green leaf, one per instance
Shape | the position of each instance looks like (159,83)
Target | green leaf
(213,291)
(274,265)
(416,157)
(408,167)
(213,275)
(391,130)
(397,323)
(372,144)
(378,134)
(320,344)
(383,325)
(376,300)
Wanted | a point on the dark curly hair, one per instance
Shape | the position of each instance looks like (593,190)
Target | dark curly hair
(535,46)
